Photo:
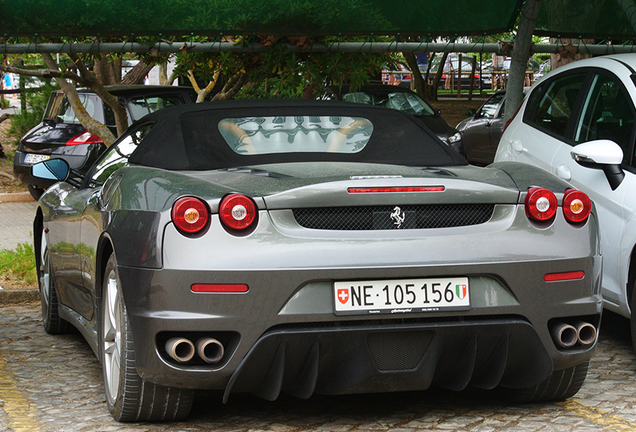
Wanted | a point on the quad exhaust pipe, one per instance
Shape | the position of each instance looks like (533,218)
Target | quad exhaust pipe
(183,350)
(210,350)
(586,333)
(567,335)
(180,349)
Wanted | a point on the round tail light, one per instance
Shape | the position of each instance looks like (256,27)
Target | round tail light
(541,204)
(237,212)
(576,206)
(190,215)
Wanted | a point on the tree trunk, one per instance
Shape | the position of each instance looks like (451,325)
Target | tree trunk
(520,56)
(438,77)
(107,70)
(92,125)
(418,80)
(137,74)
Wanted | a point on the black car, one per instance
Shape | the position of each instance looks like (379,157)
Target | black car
(482,130)
(405,100)
(60,135)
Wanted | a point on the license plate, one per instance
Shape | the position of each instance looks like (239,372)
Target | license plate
(401,296)
(35,158)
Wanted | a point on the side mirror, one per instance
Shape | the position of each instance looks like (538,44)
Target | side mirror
(52,169)
(470,112)
(601,154)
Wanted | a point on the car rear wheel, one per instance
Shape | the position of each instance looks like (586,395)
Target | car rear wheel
(51,320)
(128,396)
(561,384)
(632,318)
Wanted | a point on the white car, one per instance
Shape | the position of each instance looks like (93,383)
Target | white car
(578,123)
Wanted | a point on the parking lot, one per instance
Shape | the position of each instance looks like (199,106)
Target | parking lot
(54,383)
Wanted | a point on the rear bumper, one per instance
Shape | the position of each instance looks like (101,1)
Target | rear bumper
(283,335)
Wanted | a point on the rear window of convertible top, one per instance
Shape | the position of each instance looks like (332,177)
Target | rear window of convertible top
(296,134)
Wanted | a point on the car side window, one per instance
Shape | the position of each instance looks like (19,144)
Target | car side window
(142,105)
(60,108)
(555,107)
(489,109)
(117,155)
(607,114)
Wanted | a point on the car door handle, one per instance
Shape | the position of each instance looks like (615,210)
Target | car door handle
(563,171)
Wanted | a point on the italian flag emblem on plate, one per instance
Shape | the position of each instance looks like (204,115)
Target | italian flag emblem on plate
(461,290)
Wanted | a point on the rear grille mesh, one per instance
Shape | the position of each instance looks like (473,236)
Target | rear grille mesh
(394,217)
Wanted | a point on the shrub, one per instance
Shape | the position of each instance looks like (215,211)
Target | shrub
(36,100)
(19,265)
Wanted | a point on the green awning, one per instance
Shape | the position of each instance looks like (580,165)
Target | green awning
(79,18)
(598,19)
(106,19)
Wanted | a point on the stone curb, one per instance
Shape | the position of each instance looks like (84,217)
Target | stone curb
(19,296)
(15,197)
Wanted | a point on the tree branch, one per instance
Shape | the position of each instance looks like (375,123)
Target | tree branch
(92,125)
(43,73)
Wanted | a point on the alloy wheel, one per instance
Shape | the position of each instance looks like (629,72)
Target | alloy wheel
(111,336)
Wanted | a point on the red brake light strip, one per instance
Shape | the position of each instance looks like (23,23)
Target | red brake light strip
(397,189)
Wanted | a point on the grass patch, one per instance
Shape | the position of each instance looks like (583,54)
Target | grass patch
(18,266)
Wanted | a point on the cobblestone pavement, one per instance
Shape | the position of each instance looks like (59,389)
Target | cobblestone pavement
(54,383)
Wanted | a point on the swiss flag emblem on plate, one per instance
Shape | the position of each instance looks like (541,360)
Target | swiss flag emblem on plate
(343,295)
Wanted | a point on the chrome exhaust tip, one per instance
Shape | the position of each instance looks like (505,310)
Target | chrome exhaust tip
(180,349)
(586,333)
(210,350)
(564,335)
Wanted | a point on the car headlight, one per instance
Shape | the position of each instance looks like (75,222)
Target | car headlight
(454,138)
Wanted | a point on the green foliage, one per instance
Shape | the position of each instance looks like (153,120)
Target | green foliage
(36,101)
(281,72)
(19,265)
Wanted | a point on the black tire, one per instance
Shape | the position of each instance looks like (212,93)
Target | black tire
(128,396)
(562,384)
(632,318)
(51,320)
(35,191)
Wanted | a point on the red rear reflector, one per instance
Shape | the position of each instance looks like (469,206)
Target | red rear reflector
(84,138)
(397,189)
(554,277)
(219,288)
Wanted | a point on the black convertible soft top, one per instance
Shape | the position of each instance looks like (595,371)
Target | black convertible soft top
(187,137)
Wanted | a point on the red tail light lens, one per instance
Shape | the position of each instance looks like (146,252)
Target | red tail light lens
(541,204)
(576,206)
(237,212)
(190,215)
(84,138)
